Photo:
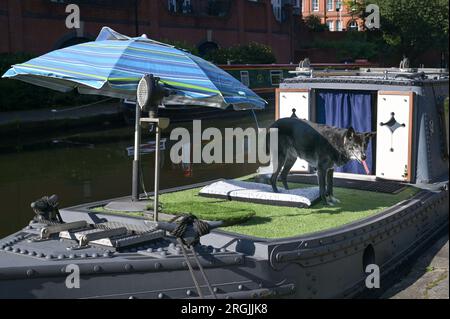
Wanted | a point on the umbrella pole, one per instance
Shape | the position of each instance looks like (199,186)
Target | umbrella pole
(157,171)
(137,155)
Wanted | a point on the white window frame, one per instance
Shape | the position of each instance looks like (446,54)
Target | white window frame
(338,25)
(276,6)
(328,5)
(245,78)
(330,24)
(276,73)
(172,3)
(315,5)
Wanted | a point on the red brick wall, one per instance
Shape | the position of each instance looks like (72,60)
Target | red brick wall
(38,26)
(345,16)
(4,27)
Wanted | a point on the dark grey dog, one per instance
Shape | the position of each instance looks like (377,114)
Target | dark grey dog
(322,146)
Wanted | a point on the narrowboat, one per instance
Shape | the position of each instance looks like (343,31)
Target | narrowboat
(258,250)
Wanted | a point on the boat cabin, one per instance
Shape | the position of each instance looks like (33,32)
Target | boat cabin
(407,108)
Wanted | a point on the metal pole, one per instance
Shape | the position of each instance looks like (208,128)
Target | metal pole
(157,168)
(136,16)
(137,155)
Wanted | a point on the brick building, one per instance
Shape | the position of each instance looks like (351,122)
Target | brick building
(334,13)
(38,26)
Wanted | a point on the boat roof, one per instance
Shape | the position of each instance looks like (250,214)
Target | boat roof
(383,76)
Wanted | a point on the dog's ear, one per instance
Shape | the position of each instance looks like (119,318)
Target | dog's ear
(350,133)
(369,135)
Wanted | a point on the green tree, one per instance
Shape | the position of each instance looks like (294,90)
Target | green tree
(183,45)
(412,27)
(252,53)
(354,45)
(314,23)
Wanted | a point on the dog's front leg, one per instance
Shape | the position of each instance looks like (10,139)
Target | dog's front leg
(321,176)
(330,194)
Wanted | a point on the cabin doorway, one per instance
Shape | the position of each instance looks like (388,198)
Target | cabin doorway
(341,108)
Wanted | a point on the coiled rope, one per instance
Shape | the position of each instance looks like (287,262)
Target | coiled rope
(201,228)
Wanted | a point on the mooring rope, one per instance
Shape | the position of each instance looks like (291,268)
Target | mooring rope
(256,119)
(191,270)
(202,271)
(201,228)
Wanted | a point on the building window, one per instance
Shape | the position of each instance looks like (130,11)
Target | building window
(276,76)
(276,5)
(353,26)
(330,25)
(338,5)
(180,6)
(330,5)
(315,5)
(338,25)
(296,7)
(245,78)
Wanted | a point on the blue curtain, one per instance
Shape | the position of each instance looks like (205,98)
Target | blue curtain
(344,109)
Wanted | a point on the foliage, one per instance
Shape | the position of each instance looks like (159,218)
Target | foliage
(314,23)
(252,53)
(412,27)
(355,45)
(356,7)
(17,95)
(183,45)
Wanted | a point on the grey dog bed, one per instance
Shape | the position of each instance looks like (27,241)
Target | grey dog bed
(260,193)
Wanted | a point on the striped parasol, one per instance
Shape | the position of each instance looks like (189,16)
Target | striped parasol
(114,63)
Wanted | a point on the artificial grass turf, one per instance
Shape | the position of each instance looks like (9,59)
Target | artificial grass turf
(267,221)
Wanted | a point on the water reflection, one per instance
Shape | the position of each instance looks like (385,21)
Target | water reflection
(91,165)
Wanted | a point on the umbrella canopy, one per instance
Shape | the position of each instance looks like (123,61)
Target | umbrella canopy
(114,63)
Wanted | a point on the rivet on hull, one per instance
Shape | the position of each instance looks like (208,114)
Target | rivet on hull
(128,267)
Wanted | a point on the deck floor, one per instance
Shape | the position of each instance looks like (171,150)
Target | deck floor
(268,221)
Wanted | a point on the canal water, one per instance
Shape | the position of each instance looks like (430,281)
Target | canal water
(88,165)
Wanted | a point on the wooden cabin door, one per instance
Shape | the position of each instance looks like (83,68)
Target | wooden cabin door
(394,135)
(288,102)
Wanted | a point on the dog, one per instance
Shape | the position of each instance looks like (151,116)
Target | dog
(322,146)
